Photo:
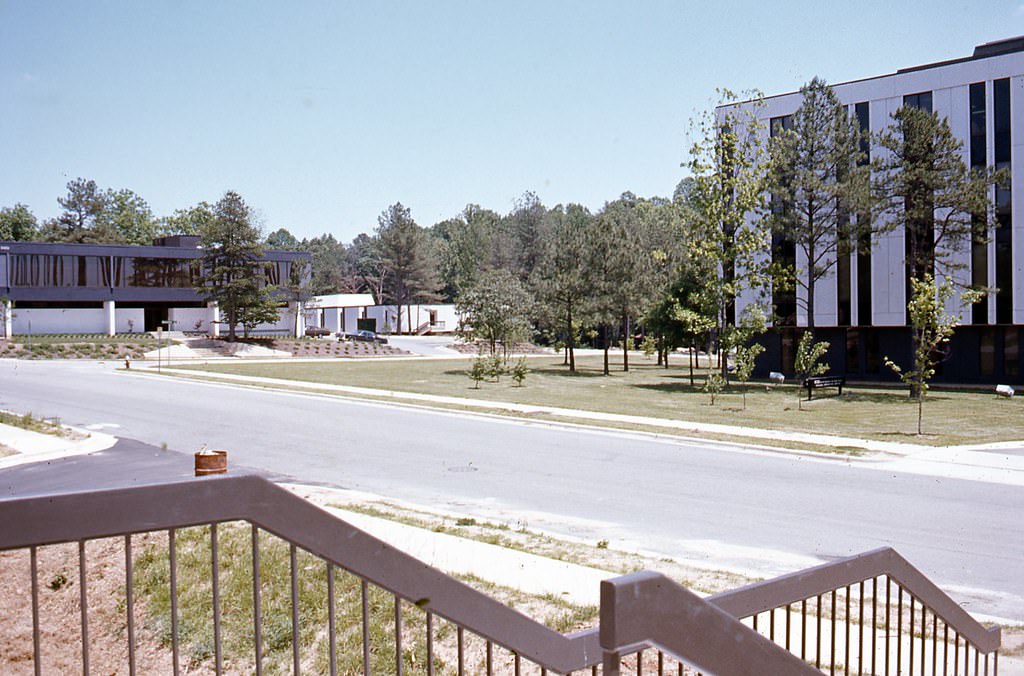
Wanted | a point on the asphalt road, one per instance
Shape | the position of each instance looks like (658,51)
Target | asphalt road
(762,513)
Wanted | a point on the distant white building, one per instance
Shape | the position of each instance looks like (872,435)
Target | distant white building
(350,312)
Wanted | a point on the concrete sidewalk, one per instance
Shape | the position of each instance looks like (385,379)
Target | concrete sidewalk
(38,447)
(952,453)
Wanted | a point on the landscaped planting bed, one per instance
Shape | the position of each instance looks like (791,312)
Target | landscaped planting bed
(81,346)
(316,347)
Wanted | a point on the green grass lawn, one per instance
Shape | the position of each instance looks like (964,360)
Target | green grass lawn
(950,417)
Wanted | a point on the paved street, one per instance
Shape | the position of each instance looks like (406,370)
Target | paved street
(758,512)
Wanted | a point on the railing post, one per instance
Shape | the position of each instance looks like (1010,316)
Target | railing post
(611,663)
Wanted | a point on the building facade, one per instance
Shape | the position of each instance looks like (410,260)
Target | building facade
(102,288)
(860,307)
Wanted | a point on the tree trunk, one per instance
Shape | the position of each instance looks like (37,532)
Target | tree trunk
(605,332)
(658,346)
(625,344)
(398,320)
(920,406)
(572,340)
(693,348)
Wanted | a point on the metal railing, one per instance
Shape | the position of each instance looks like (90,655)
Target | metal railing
(647,622)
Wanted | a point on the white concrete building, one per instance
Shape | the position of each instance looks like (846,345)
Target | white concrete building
(861,306)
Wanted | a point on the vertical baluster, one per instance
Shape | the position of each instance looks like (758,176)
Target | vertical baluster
(888,608)
(661,663)
(430,646)
(803,629)
(257,614)
(172,543)
(874,623)
(398,635)
(640,662)
(924,633)
(956,653)
(129,600)
(332,638)
(910,666)
(945,648)
(788,611)
(365,595)
(935,643)
(755,621)
(83,600)
(899,628)
(860,630)
(977,661)
(459,639)
(516,664)
(817,637)
(771,625)
(490,658)
(832,647)
(846,624)
(215,579)
(293,565)
(34,570)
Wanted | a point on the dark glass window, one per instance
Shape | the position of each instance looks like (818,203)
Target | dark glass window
(783,247)
(48,271)
(1011,352)
(873,361)
(922,100)
(978,133)
(174,273)
(852,351)
(979,158)
(987,353)
(863,113)
(1004,214)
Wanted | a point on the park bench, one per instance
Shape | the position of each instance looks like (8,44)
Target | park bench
(817,382)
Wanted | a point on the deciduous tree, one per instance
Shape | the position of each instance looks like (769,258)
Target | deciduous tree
(18,223)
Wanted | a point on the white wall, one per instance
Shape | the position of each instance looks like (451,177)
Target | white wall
(412,316)
(185,318)
(55,320)
(122,315)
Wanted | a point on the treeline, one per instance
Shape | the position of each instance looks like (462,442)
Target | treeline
(753,223)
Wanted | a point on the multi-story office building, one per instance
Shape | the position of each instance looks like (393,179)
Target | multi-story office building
(860,307)
(101,288)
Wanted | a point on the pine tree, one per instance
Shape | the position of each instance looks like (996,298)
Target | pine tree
(233,272)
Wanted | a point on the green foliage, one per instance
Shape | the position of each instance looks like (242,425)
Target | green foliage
(932,328)
(495,310)
(282,240)
(808,352)
(745,360)
(233,272)
(479,370)
(495,367)
(560,279)
(713,385)
(923,187)
(519,371)
(408,260)
(728,164)
(818,179)
(192,221)
(18,223)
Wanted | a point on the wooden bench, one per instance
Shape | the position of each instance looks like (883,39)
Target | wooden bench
(818,382)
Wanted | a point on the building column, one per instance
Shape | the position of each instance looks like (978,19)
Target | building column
(214,319)
(110,314)
(298,318)
(7,311)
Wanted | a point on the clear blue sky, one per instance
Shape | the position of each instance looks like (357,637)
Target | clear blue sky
(321,114)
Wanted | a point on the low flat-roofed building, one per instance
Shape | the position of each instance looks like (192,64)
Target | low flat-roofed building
(108,288)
